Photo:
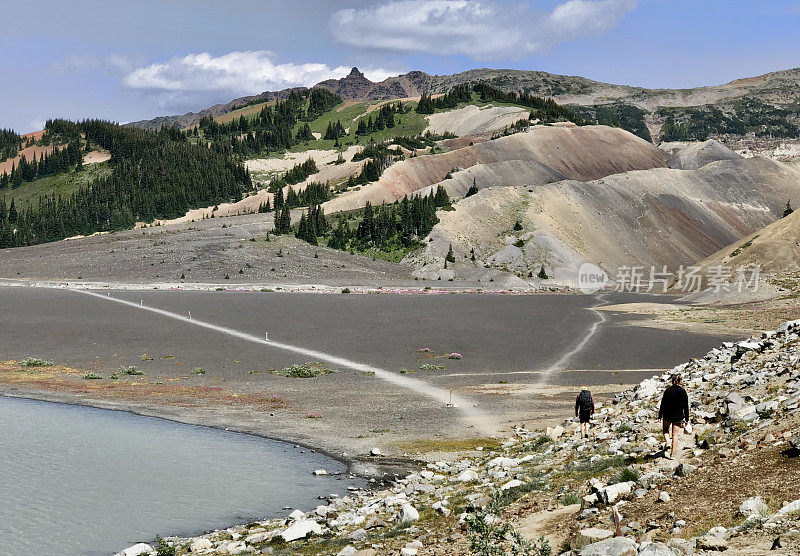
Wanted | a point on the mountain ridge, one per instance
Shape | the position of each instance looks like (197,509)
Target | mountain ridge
(779,87)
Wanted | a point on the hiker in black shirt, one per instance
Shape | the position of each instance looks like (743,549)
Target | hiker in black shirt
(584,407)
(674,412)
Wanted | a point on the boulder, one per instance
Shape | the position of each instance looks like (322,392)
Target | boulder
(358,535)
(590,536)
(347,551)
(136,550)
(664,497)
(467,476)
(617,546)
(258,538)
(554,432)
(300,529)
(200,544)
(712,543)
(682,546)
(655,549)
(514,483)
(609,494)
(754,506)
(684,470)
(409,514)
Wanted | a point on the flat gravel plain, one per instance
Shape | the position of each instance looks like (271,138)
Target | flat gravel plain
(507,342)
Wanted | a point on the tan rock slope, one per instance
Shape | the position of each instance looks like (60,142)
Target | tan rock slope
(656,216)
(775,249)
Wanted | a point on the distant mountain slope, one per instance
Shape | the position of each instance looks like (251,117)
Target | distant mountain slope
(775,248)
(542,155)
(765,105)
(189,119)
(658,216)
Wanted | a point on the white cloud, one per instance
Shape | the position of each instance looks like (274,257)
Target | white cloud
(480,29)
(247,72)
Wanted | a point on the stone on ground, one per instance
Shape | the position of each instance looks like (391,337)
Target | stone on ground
(616,546)
(301,529)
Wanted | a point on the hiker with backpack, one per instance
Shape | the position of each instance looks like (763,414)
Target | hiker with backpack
(674,412)
(584,408)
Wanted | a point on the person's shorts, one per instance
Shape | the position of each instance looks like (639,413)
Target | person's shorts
(668,426)
(584,416)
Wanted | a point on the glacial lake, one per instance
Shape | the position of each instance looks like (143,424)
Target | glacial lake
(79,480)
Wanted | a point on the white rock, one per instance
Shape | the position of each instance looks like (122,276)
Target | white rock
(233,547)
(406,551)
(136,550)
(347,551)
(358,535)
(300,529)
(554,432)
(467,476)
(592,535)
(664,496)
(409,514)
(200,544)
(754,506)
(618,546)
(609,494)
(376,452)
(511,484)
(296,515)
(257,538)
(320,472)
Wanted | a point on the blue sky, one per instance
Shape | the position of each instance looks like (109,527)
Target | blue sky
(132,60)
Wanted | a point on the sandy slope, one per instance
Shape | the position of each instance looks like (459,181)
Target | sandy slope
(473,119)
(544,154)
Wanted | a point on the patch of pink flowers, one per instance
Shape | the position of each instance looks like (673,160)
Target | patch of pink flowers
(425,350)
(313,416)
(454,355)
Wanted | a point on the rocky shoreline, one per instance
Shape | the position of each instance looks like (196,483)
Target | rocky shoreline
(550,492)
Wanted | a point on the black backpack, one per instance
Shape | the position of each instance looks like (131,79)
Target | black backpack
(585,400)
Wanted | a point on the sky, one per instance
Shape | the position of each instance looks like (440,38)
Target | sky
(125,61)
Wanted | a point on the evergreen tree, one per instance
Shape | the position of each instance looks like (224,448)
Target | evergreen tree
(789,210)
(472,190)
(450,258)
(542,273)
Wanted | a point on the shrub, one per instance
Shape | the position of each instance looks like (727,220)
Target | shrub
(454,355)
(92,376)
(198,371)
(34,362)
(570,498)
(163,548)
(132,370)
(625,475)
(345,290)
(624,427)
(429,367)
(306,370)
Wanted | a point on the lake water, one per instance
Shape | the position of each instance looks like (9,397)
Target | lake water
(78,480)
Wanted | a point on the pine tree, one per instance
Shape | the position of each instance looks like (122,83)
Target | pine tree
(542,274)
(789,210)
(472,190)
(451,258)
